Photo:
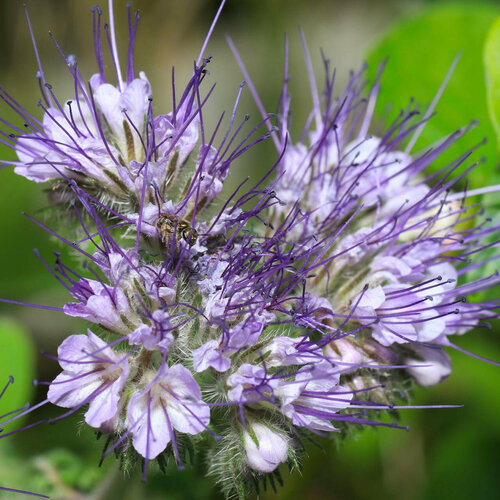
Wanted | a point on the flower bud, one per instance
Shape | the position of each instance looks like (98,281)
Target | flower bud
(265,448)
(433,368)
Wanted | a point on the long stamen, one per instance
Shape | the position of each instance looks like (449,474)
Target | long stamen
(114,50)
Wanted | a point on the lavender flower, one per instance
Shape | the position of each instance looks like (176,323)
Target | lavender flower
(92,374)
(171,401)
(240,331)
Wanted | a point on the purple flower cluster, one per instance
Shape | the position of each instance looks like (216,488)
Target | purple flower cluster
(278,311)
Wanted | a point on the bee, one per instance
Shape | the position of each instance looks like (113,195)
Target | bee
(170,224)
(215,242)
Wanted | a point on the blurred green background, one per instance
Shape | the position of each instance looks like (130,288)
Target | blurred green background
(448,454)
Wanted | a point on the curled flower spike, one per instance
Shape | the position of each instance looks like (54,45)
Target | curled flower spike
(241,326)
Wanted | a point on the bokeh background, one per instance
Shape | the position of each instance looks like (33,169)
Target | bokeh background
(448,454)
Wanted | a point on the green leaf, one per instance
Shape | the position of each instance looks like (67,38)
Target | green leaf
(420,50)
(492,64)
(17,358)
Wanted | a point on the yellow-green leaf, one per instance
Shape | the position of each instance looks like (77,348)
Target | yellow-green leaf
(492,64)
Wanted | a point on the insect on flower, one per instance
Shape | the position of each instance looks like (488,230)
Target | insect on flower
(170,225)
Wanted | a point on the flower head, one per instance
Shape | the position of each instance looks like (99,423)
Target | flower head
(279,314)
